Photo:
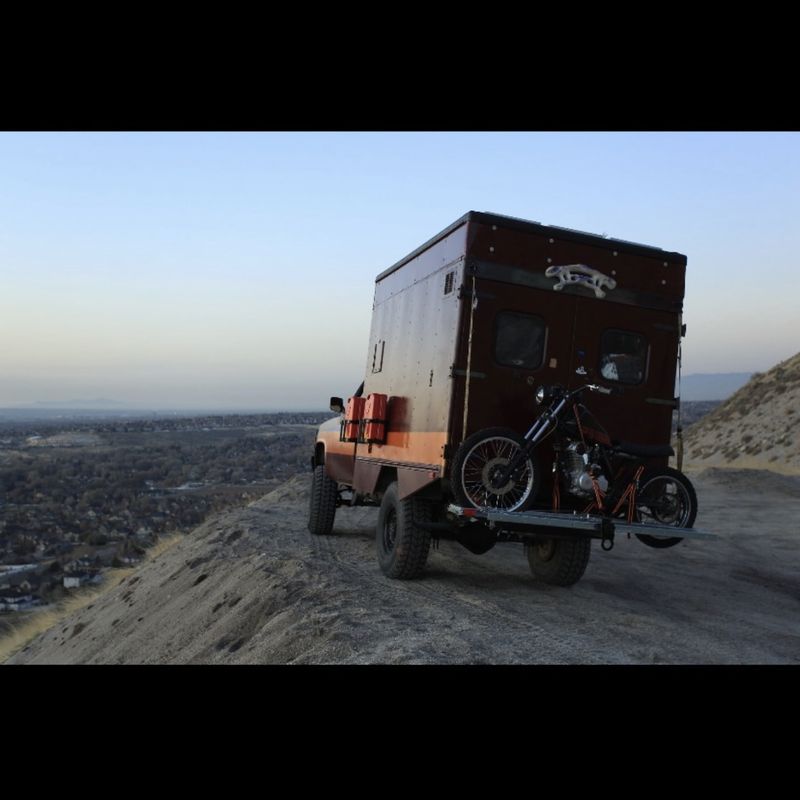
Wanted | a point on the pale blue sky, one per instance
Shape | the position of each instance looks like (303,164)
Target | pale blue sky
(237,269)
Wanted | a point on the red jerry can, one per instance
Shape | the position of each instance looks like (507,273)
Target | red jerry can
(352,418)
(375,419)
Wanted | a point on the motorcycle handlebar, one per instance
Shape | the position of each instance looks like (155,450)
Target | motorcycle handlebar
(549,393)
(593,387)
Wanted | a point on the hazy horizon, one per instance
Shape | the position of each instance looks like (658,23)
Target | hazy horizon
(122,406)
(697,386)
(236,270)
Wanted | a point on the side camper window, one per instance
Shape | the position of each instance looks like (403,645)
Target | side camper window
(623,356)
(519,340)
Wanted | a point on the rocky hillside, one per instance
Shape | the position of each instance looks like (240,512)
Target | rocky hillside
(758,427)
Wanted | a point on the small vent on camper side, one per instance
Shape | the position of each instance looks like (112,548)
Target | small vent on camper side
(377,355)
(449,282)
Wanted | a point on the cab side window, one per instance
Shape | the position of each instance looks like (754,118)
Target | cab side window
(519,340)
(623,356)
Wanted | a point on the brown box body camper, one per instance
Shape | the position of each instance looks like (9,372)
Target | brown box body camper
(465,328)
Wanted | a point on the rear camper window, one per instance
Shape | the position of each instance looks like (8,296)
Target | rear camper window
(623,356)
(519,340)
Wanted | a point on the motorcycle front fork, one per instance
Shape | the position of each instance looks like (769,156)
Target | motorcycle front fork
(502,478)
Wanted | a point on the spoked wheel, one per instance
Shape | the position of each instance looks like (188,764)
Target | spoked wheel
(665,497)
(481,460)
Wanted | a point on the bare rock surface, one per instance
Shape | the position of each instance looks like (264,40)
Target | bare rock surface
(254,586)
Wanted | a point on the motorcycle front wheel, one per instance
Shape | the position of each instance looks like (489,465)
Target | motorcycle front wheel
(481,458)
(665,497)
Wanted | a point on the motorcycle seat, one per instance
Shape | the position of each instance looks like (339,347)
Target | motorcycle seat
(644,450)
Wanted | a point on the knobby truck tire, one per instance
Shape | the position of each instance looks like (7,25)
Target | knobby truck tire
(402,545)
(322,507)
(559,562)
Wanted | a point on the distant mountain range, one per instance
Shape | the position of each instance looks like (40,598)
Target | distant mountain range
(46,412)
(83,403)
(697,387)
(57,412)
(712,386)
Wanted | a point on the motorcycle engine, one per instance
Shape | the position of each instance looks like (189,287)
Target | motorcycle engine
(578,471)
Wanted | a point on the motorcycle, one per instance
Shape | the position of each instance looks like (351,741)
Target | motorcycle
(498,468)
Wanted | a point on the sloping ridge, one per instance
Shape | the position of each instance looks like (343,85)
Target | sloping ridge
(239,588)
(253,586)
(758,427)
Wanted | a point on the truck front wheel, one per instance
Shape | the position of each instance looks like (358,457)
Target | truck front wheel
(559,562)
(402,543)
(322,508)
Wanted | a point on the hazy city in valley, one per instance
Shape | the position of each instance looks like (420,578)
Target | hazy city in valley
(80,494)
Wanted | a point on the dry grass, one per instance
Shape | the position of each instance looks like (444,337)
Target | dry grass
(33,623)
(756,428)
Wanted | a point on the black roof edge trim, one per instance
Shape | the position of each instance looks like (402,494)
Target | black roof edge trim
(516,223)
(432,241)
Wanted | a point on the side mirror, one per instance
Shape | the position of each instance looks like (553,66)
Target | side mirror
(337,405)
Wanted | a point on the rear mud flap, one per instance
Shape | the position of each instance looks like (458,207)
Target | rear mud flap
(477,539)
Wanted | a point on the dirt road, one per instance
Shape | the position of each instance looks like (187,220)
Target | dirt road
(253,586)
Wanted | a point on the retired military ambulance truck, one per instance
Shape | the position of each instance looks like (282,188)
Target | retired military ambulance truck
(471,330)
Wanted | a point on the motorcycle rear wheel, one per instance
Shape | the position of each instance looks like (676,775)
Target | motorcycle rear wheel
(480,457)
(665,497)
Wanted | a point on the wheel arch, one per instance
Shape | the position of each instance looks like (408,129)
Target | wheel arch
(386,477)
(410,483)
(319,455)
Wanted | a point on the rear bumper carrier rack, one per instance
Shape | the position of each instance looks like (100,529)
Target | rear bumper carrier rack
(594,526)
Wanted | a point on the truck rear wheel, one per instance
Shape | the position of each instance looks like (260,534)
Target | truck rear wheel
(322,508)
(402,544)
(559,562)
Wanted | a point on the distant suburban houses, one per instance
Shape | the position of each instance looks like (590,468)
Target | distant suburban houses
(77,579)
(70,508)
(17,600)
